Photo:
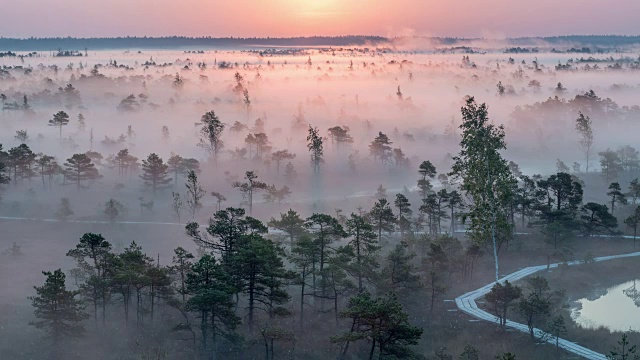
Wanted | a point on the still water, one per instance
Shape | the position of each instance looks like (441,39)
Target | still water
(616,308)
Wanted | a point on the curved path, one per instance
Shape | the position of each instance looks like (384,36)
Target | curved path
(467,303)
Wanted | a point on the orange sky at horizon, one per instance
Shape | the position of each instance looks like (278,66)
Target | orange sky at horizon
(285,18)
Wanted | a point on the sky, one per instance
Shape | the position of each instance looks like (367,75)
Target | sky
(286,18)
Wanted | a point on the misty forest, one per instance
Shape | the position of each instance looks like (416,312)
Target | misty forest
(378,201)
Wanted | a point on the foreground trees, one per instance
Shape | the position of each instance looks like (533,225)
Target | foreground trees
(57,310)
(381,322)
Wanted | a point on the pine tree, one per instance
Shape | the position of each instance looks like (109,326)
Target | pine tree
(210,291)
(182,262)
(155,172)
(261,275)
(79,168)
(57,310)
(404,213)
(304,256)
(59,120)
(364,246)
(380,148)
(633,221)
(91,255)
(382,217)
(291,223)
(501,297)
(382,323)
(281,155)
(249,188)
(617,197)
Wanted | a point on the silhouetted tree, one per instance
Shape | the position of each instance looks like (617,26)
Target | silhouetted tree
(155,172)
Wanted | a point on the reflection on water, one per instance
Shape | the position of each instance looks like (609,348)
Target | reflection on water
(617,308)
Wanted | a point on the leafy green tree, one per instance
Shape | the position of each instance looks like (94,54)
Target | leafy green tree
(210,292)
(596,219)
(79,168)
(211,134)
(291,223)
(617,197)
(315,146)
(382,217)
(248,188)
(195,193)
(501,297)
(155,172)
(59,120)
(585,136)
(485,175)
(57,310)
(382,323)
(364,245)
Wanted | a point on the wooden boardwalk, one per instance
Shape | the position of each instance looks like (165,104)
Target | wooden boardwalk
(467,304)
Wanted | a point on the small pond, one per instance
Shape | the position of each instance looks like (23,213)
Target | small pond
(616,308)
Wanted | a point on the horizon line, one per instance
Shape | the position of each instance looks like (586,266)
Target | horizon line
(312,36)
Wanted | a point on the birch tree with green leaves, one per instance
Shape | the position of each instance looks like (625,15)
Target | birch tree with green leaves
(484,177)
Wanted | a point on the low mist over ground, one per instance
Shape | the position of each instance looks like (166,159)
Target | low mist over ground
(314,202)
